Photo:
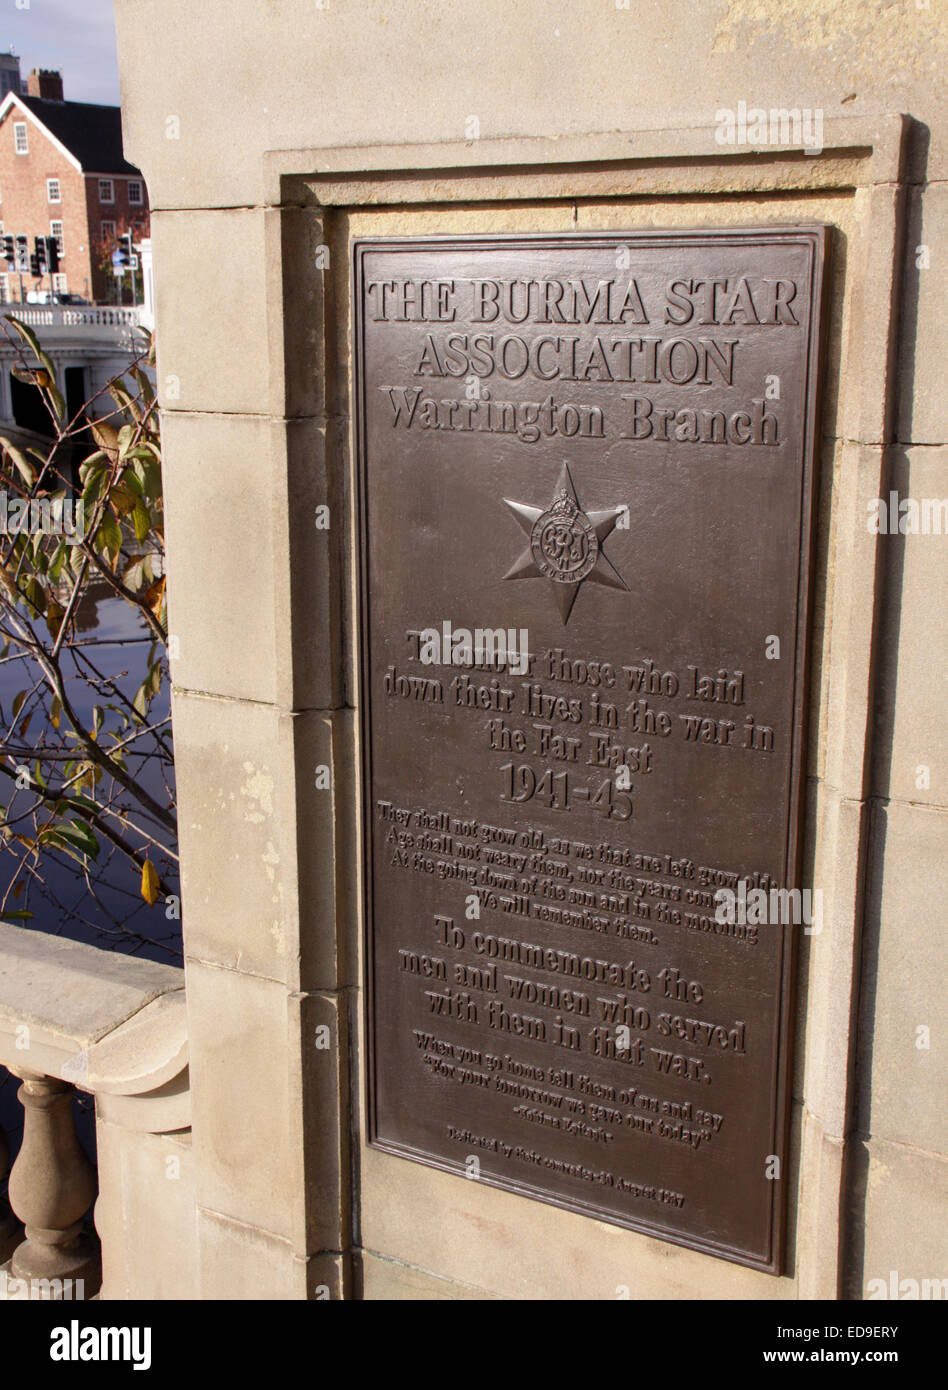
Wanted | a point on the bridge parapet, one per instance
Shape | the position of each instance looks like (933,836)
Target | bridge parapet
(70,324)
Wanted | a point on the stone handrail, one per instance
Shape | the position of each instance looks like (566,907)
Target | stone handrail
(75,315)
(76,1018)
(99,325)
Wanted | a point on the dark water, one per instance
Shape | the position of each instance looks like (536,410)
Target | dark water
(115,917)
(116,641)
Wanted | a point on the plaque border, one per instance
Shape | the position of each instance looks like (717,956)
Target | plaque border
(817,237)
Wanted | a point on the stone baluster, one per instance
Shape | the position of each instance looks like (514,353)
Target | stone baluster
(10,1233)
(52,1185)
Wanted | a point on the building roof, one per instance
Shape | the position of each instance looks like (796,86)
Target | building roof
(93,134)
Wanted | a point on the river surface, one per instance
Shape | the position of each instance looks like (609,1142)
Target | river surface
(117,641)
(116,918)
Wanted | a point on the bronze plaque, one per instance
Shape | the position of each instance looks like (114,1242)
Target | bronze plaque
(586,468)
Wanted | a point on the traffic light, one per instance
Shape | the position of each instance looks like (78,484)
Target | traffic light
(38,258)
(123,258)
(8,251)
(52,254)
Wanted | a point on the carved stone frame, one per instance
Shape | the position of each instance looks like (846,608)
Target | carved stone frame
(315,192)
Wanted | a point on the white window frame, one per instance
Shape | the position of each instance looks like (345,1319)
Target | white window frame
(140,200)
(60,285)
(57,236)
(21,140)
(52,184)
(110,184)
(107,236)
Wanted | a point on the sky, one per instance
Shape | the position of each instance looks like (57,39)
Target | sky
(76,36)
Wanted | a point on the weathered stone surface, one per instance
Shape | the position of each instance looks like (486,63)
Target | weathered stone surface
(226,536)
(319,1073)
(245,1117)
(243,1262)
(852,588)
(261,890)
(197,252)
(390,1280)
(902,1066)
(894,1186)
(198,154)
(467,1233)
(69,994)
(145,1214)
(910,750)
(195,256)
(144,1053)
(923,341)
(242,520)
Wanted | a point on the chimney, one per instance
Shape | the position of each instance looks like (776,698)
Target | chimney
(45,83)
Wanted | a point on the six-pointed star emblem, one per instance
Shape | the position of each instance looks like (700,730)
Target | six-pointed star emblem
(565,544)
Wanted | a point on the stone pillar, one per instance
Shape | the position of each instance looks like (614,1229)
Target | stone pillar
(52,1186)
(253,378)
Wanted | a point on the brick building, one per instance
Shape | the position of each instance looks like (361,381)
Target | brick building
(63,174)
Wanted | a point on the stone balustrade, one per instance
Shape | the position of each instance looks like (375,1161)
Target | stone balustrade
(74,1019)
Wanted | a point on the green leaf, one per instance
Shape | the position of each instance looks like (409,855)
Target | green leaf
(132,481)
(47,362)
(152,480)
(77,834)
(21,915)
(144,385)
(125,401)
(35,593)
(95,483)
(99,457)
(109,537)
(25,333)
(25,469)
(143,453)
(30,376)
(54,839)
(125,436)
(54,617)
(141,520)
(122,498)
(59,405)
(57,562)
